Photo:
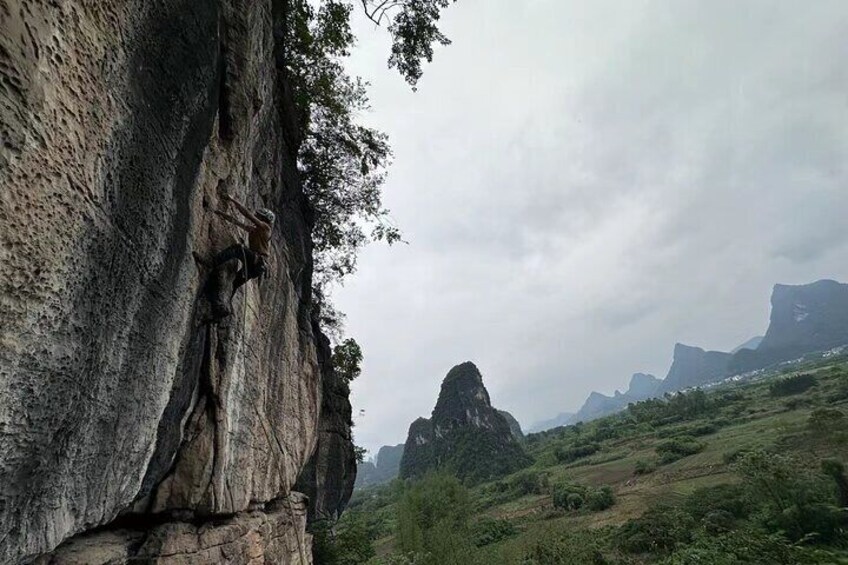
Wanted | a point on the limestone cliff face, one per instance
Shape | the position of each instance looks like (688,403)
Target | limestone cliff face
(330,474)
(804,319)
(465,434)
(419,450)
(120,409)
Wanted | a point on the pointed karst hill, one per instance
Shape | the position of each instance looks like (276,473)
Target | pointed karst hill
(465,434)
(643,386)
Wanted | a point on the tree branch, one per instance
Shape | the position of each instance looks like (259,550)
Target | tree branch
(382,9)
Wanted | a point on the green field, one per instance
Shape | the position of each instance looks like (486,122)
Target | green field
(768,437)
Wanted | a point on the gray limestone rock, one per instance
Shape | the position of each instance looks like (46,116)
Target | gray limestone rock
(122,123)
(804,319)
(465,435)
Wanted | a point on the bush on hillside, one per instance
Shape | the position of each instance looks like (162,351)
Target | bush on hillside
(573,453)
(742,546)
(600,499)
(796,403)
(796,384)
(490,530)
(659,530)
(699,429)
(730,498)
(567,548)
(791,498)
(718,521)
(570,496)
(826,420)
(529,481)
(644,467)
(432,519)
(349,545)
(677,448)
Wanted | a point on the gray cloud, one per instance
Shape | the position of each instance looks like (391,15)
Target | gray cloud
(584,183)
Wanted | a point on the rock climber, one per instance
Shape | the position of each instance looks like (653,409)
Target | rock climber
(254,257)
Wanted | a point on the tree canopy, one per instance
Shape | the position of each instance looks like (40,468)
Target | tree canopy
(343,163)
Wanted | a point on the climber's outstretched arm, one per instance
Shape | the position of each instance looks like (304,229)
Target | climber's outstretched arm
(232,220)
(244,211)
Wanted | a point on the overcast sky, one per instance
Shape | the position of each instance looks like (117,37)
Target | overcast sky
(584,183)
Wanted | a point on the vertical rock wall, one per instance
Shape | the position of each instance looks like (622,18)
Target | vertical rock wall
(121,409)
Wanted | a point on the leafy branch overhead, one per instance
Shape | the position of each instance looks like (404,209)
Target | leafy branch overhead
(343,162)
(414,30)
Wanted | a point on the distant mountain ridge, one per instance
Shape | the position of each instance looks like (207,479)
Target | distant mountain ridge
(692,366)
(752,344)
(642,386)
(381,469)
(804,319)
(561,419)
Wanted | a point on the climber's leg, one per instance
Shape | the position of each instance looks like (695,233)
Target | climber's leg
(228,264)
(254,266)
(235,251)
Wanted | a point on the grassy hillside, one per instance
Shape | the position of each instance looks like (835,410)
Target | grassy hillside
(749,472)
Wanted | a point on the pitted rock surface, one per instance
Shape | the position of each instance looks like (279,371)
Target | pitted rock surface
(329,476)
(121,123)
(273,535)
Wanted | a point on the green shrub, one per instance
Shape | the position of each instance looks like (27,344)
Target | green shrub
(732,456)
(730,498)
(659,530)
(677,448)
(718,521)
(351,545)
(569,496)
(600,499)
(432,519)
(644,467)
(529,481)
(826,420)
(796,403)
(840,391)
(571,454)
(701,429)
(791,498)
(796,384)
(566,548)
(489,530)
(704,429)
(573,501)
(740,546)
